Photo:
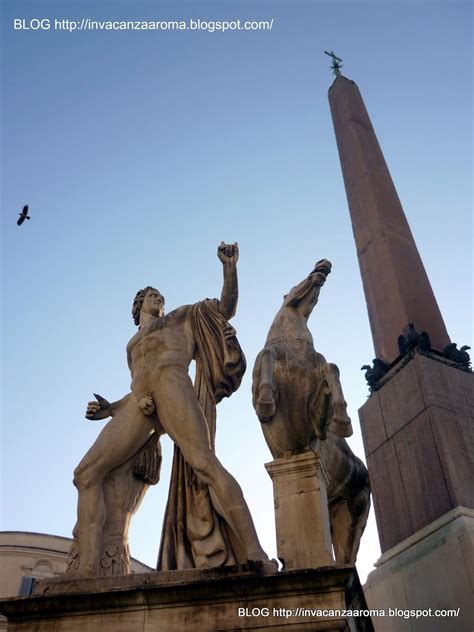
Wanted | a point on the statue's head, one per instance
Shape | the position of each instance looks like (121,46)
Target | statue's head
(150,299)
(314,280)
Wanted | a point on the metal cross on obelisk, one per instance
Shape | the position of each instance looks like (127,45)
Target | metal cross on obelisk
(336,65)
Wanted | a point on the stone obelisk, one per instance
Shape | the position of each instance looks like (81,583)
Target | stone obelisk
(399,292)
(418,424)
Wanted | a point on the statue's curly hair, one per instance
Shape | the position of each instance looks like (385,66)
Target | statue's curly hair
(138,302)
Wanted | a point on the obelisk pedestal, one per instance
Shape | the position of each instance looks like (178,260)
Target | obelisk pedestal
(301,511)
(419,447)
(420,450)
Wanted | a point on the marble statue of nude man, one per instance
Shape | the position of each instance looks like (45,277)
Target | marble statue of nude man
(163,400)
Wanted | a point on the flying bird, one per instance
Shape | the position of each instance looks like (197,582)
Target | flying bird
(23,215)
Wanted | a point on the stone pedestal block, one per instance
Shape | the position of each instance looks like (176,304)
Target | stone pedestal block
(418,432)
(431,572)
(301,511)
(214,600)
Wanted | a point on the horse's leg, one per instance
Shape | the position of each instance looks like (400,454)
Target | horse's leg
(319,405)
(359,507)
(348,518)
(341,522)
(340,422)
(264,387)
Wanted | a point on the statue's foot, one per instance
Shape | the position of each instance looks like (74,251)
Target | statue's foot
(265,410)
(116,559)
(269,567)
(342,426)
(266,405)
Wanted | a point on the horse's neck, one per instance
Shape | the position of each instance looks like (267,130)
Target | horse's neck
(289,324)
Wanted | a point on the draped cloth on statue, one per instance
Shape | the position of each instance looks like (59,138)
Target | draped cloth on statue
(194,535)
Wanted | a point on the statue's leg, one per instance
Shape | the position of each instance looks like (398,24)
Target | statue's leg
(340,420)
(73,554)
(359,506)
(122,437)
(182,418)
(347,527)
(124,489)
(348,517)
(341,531)
(319,407)
(264,387)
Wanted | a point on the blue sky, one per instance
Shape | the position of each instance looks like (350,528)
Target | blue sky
(138,152)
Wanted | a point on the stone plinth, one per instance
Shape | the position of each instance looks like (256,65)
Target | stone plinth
(418,432)
(396,286)
(229,598)
(301,511)
(431,570)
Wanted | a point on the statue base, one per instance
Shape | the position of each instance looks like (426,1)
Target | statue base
(301,511)
(432,570)
(228,598)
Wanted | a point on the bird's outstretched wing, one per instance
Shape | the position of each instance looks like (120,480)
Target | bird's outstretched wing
(23,215)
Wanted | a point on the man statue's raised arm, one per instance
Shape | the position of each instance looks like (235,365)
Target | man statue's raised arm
(229,254)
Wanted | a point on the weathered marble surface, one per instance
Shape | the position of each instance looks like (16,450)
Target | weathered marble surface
(207,521)
(299,401)
(248,597)
(301,511)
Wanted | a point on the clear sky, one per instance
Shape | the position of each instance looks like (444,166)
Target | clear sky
(138,152)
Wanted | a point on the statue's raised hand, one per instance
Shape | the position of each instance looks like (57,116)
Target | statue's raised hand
(98,409)
(228,253)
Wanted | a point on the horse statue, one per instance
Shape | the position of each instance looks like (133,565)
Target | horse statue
(298,399)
